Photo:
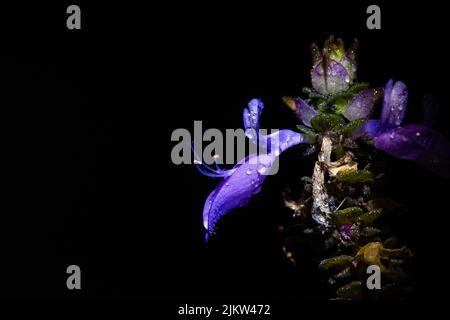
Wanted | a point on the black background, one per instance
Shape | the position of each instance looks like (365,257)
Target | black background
(87,118)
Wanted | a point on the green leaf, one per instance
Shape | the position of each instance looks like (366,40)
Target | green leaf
(325,122)
(339,151)
(307,132)
(340,98)
(370,232)
(336,263)
(340,105)
(370,217)
(358,176)
(349,128)
(357,87)
(353,290)
(347,215)
(316,101)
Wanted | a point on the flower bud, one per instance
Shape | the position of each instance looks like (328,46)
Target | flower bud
(334,69)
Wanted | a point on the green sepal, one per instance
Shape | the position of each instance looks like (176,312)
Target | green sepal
(357,87)
(358,176)
(340,101)
(370,217)
(310,134)
(353,290)
(325,122)
(350,127)
(347,215)
(370,232)
(336,263)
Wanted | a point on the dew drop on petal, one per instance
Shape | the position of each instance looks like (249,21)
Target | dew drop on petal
(418,134)
(249,171)
(250,133)
(261,169)
(392,135)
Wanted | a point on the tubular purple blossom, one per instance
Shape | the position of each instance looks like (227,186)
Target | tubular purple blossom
(412,142)
(245,179)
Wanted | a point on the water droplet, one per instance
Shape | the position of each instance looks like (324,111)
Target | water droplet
(261,169)
(250,133)
(347,78)
(397,121)
(392,135)
(400,108)
(253,181)
(418,134)
(249,171)
(227,184)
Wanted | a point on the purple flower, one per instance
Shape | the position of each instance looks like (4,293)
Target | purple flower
(334,69)
(245,179)
(346,232)
(303,110)
(413,142)
(362,104)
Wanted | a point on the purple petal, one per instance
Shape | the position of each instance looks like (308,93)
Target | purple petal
(280,141)
(345,231)
(350,66)
(394,103)
(361,105)
(236,190)
(370,129)
(417,143)
(303,110)
(252,114)
(336,78)
(251,119)
(246,178)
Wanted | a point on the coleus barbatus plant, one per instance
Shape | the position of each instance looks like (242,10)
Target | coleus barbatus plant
(340,211)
